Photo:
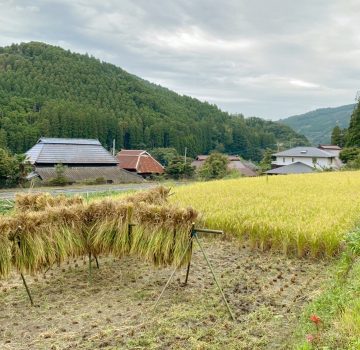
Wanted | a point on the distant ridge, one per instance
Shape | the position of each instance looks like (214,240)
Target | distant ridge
(317,125)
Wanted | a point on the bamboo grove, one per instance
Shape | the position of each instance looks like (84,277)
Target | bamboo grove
(46,230)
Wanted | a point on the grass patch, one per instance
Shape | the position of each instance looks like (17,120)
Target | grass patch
(338,308)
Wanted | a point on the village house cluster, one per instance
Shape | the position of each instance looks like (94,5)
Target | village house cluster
(87,159)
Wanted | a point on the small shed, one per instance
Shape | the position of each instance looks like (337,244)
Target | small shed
(140,162)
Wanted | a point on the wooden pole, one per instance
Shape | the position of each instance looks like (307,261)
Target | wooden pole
(97,262)
(191,246)
(172,275)
(215,279)
(90,269)
(27,289)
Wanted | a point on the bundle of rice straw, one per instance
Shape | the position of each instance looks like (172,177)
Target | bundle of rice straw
(40,239)
(41,201)
(162,234)
(157,195)
(106,227)
(33,240)
(5,248)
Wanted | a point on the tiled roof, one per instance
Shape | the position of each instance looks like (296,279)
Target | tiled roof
(242,168)
(140,161)
(234,163)
(132,152)
(203,157)
(294,168)
(55,140)
(69,151)
(330,147)
(304,152)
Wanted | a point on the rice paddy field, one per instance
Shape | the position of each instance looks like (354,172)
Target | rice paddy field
(286,258)
(298,214)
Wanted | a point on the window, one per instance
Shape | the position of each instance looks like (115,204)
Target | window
(283,159)
(292,160)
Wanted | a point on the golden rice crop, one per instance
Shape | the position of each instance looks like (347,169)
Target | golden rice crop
(298,214)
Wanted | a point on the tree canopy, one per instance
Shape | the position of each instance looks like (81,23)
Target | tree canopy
(353,132)
(48,91)
(214,167)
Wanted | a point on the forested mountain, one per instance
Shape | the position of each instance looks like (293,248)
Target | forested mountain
(317,125)
(352,136)
(48,91)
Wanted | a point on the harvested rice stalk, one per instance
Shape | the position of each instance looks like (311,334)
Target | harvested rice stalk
(41,201)
(157,195)
(162,234)
(41,238)
(5,249)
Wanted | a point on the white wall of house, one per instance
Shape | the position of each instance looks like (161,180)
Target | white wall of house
(321,163)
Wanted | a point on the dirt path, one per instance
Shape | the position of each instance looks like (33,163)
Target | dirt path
(80,189)
(265,291)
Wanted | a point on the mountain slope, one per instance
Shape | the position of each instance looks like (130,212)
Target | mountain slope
(317,125)
(48,91)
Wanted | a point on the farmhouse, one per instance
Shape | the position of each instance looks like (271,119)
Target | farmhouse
(243,167)
(300,160)
(84,160)
(311,156)
(140,162)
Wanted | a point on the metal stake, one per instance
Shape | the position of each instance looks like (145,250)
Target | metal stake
(214,276)
(27,289)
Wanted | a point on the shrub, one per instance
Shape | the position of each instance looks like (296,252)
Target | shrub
(60,178)
(215,167)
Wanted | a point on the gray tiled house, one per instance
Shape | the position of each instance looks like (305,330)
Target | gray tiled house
(84,160)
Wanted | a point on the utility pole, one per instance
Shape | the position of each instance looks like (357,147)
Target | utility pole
(185,155)
(113,148)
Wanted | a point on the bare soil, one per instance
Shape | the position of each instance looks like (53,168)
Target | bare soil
(266,292)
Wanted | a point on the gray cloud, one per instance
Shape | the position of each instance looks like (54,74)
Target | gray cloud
(266,58)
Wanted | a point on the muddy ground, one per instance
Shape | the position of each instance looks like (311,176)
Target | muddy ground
(265,291)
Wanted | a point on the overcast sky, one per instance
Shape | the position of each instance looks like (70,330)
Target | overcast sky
(269,58)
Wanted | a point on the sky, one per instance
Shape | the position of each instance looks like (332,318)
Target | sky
(269,58)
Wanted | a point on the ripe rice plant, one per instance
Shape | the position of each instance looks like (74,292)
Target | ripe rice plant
(297,214)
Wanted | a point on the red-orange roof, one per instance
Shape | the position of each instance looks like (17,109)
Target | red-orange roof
(140,161)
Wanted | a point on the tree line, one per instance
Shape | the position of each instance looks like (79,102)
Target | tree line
(48,91)
(349,139)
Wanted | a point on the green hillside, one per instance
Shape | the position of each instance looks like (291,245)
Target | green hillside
(317,125)
(48,91)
